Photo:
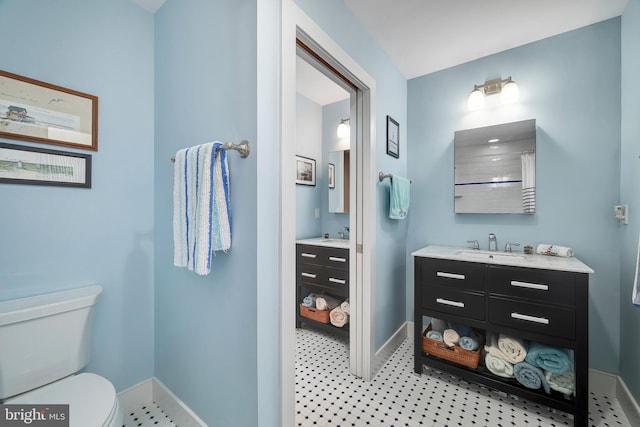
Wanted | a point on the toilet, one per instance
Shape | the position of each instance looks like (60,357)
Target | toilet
(46,341)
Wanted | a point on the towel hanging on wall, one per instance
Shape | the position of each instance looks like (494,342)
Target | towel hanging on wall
(635,295)
(201,209)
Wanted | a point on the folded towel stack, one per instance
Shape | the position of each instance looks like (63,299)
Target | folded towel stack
(554,250)
(530,376)
(338,317)
(326,302)
(549,358)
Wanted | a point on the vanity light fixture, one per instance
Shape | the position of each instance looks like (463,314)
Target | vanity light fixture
(507,88)
(344,128)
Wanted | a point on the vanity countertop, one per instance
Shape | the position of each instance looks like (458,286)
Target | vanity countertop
(329,243)
(516,259)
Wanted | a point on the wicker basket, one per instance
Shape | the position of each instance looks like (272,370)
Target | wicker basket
(454,354)
(312,313)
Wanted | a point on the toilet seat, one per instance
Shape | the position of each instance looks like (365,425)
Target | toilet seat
(92,400)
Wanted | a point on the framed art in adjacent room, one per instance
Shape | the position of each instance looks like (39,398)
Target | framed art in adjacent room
(305,171)
(393,138)
(332,175)
(31,110)
(30,165)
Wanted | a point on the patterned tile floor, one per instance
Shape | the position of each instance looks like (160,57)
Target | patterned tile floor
(147,416)
(328,396)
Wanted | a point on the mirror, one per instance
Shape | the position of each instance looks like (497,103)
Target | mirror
(495,169)
(338,177)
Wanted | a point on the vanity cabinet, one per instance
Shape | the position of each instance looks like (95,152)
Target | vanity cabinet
(321,270)
(548,306)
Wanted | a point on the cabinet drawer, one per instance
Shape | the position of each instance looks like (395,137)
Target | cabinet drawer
(538,318)
(454,274)
(309,254)
(311,274)
(337,278)
(464,304)
(337,258)
(540,285)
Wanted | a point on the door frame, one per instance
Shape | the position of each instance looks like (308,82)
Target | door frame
(295,22)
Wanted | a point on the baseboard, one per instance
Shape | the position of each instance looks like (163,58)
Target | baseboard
(389,347)
(628,403)
(152,390)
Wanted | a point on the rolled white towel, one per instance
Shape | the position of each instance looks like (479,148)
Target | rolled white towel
(514,349)
(326,302)
(565,382)
(338,317)
(345,306)
(498,366)
(450,337)
(553,250)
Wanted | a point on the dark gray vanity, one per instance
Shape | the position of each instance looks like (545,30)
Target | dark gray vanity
(535,297)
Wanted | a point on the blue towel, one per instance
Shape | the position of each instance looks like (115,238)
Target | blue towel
(530,376)
(309,300)
(399,197)
(549,358)
(462,330)
(434,335)
(470,343)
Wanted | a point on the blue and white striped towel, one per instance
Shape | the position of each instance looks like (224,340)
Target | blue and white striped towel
(201,213)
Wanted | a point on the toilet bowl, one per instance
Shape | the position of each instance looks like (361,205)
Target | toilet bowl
(91,398)
(46,340)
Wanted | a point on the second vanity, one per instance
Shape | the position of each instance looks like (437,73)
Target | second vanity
(535,297)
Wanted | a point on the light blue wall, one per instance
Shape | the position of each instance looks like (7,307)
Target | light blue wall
(630,194)
(205,330)
(571,85)
(309,145)
(391,86)
(55,238)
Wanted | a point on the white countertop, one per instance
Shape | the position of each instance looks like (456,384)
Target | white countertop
(329,243)
(517,259)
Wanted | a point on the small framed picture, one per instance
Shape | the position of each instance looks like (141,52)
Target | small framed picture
(393,138)
(30,165)
(332,175)
(305,171)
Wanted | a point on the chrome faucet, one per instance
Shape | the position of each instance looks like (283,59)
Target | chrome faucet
(507,247)
(345,233)
(476,245)
(493,242)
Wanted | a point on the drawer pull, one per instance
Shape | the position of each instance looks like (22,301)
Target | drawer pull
(530,318)
(306,255)
(530,285)
(449,302)
(313,276)
(450,275)
(334,258)
(340,281)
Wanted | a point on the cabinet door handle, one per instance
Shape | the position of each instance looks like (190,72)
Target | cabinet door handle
(449,302)
(335,258)
(528,318)
(537,286)
(306,255)
(450,275)
(313,276)
(334,280)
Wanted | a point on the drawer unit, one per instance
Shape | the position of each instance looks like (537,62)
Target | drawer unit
(550,306)
(308,254)
(464,304)
(454,274)
(539,285)
(542,319)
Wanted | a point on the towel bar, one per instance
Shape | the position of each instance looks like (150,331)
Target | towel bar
(382,176)
(243,148)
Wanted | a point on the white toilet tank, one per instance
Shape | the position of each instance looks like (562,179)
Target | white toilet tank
(45,338)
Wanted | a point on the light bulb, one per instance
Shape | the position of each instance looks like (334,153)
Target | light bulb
(476,100)
(344,129)
(510,93)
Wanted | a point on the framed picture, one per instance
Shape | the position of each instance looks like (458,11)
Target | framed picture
(32,110)
(393,138)
(305,171)
(31,165)
(332,175)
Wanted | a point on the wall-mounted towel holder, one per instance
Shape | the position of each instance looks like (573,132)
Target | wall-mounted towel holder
(382,176)
(243,148)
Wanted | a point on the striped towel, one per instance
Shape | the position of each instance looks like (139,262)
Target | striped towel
(201,215)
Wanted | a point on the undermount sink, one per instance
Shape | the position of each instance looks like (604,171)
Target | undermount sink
(489,255)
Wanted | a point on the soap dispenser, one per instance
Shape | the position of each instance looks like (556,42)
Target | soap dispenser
(493,242)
